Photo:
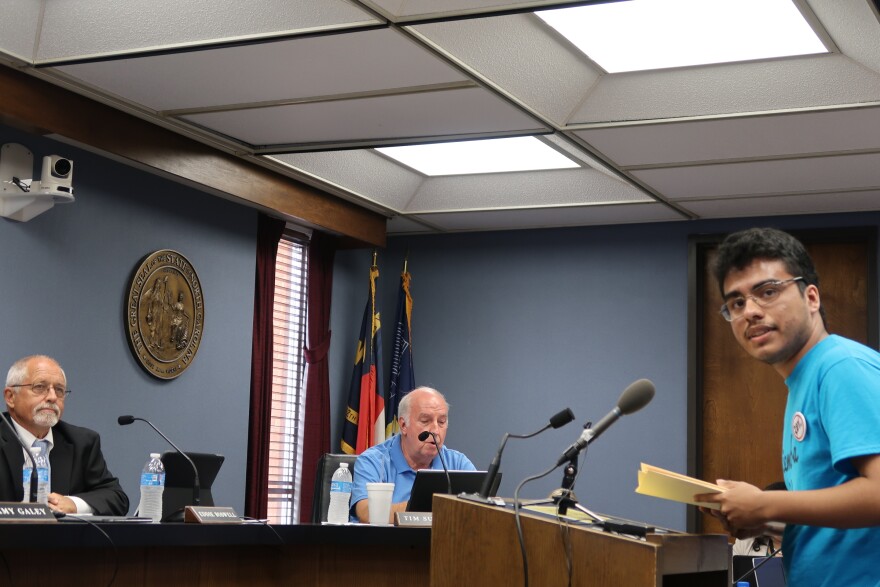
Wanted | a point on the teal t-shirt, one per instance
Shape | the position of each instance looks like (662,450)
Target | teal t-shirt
(832,415)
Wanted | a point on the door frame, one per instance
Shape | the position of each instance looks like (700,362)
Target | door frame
(697,247)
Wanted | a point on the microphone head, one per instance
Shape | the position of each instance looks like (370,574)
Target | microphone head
(636,396)
(424,436)
(562,418)
(125,420)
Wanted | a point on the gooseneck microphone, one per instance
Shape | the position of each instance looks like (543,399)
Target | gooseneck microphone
(34,476)
(556,421)
(634,398)
(422,438)
(197,488)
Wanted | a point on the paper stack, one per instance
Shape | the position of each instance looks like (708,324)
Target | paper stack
(664,484)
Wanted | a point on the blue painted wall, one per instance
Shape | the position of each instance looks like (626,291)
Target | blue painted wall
(514,326)
(65,280)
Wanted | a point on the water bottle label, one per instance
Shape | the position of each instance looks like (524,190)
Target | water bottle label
(153,479)
(340,486)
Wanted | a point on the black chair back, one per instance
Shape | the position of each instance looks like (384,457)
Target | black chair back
(327,465)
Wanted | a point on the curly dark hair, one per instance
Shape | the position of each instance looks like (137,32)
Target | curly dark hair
(741,248)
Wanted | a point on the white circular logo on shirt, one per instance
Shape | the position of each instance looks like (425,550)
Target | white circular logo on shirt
(799,426)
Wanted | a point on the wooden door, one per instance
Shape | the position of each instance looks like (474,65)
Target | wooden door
(740,402)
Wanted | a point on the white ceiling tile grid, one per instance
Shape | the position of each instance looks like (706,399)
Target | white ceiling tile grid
(312,87)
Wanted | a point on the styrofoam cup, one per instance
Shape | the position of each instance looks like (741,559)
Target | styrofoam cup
(379,503)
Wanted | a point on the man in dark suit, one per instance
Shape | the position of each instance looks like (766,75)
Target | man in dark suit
(36,388)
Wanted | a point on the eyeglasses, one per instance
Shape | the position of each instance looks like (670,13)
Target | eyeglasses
(763,295)
(41,389)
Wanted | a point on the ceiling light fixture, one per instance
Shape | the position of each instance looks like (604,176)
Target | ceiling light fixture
(637,35)
(480,156)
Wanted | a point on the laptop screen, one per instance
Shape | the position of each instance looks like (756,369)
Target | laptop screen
(770,574)
(431,481)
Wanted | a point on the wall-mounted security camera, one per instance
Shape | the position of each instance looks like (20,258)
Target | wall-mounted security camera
(57,178)
(22,198)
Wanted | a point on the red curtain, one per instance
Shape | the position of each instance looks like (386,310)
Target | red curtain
(316,437)
(269,231)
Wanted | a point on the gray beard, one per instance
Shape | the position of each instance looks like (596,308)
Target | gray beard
(46,419)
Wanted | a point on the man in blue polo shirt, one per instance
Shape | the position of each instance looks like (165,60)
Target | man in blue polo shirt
(397,459)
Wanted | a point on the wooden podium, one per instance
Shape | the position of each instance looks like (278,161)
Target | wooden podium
(474,544)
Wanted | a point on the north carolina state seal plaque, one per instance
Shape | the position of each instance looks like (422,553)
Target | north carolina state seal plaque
(165,314)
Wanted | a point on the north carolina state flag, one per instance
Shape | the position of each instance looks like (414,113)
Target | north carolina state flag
(365,416)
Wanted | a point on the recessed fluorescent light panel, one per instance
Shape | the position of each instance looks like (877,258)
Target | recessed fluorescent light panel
(636,35)
(483,156)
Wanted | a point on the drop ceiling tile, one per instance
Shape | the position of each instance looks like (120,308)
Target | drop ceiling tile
(738,138)
(764,86)
(361,171)
(520,54)
(80,28)
(787,205)
(364,61)
(553,217)
(437,8)
(522,189)
(407,225)
(19,20)
(813,174)
(854,26)
(433,114)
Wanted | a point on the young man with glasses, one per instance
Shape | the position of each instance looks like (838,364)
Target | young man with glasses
(36,389)
(831,437)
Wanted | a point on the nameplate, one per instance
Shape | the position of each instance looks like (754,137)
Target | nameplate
(13,512)
(197,514)
(413,519)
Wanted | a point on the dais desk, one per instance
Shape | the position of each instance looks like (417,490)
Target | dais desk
(192,555)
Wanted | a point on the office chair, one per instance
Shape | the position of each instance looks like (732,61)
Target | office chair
(327,465)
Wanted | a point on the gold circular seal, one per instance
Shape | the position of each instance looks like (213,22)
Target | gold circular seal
(165,314)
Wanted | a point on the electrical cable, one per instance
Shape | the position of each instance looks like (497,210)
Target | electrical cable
(110,540)
(519,532)
(759,565)
(21,184)
(564,525)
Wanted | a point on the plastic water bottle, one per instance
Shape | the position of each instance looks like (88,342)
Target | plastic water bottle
(340,495)
(152,487)
(42,476)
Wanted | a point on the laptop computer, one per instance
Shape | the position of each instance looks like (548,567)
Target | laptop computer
(179,481)
(431,481)
(769,574)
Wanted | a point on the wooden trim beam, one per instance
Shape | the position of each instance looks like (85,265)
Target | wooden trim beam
(40,107)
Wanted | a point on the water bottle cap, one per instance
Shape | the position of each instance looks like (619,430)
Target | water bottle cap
(343,465)
(154,455)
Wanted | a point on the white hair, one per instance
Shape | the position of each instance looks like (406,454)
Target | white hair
(404,408)
(19,370)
